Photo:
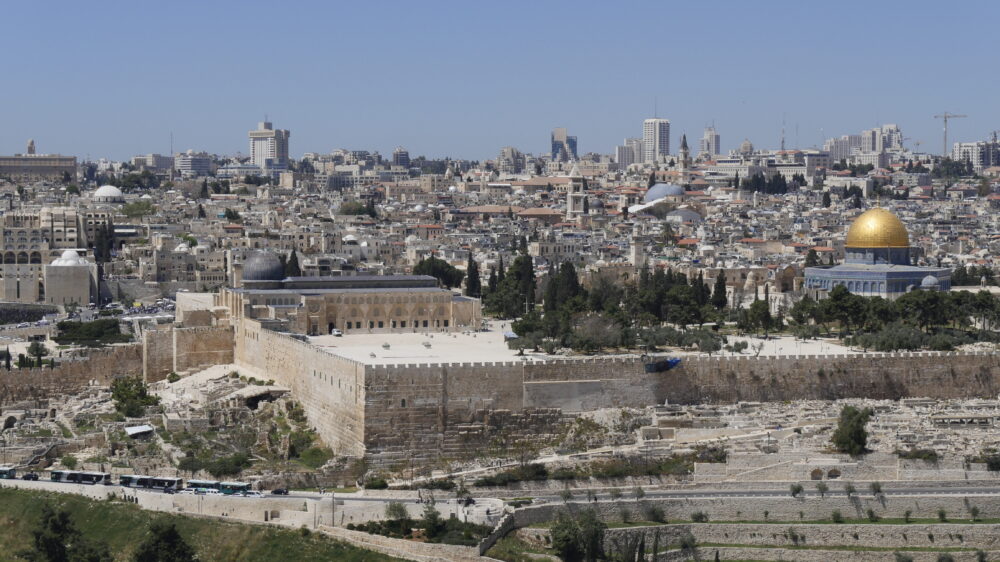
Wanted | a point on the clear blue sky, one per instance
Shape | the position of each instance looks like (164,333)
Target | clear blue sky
(463,79)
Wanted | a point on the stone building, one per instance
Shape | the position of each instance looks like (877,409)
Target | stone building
(360,303)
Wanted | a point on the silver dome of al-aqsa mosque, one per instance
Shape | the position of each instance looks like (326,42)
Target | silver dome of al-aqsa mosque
(263,266)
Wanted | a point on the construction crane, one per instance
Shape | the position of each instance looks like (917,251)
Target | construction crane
(946,116)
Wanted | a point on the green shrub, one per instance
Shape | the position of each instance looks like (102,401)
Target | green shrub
(376,483)
(699,517)
(69,461)
(173,377)
(836,517)
(929,455)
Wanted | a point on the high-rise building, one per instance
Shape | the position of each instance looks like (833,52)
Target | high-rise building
(563,145)
(269,147)
(709,144)
(192,164)
(982,154)
(510,161)
(624,156)
(401,157)
(655,140)
(630,152)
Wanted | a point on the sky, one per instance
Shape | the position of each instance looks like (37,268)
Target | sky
(463,79)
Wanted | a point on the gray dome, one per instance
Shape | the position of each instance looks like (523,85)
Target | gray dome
(661,190)
(263,266)
(930,282)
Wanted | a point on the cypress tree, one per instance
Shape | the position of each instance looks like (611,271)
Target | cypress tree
(492,282)
(473,285)
(292,268)
(719,299)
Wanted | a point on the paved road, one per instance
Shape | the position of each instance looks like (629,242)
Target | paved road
(720,494)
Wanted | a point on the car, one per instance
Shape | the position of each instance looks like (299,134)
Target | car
(336,332)
(252,494)
(280,491)
(187,491)
(30,476)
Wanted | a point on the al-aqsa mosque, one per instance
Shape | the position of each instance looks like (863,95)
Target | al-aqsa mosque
(877,262)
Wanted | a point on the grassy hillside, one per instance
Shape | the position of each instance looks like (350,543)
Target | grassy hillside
(123,526)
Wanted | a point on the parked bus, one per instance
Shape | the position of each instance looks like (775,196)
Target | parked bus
(230,488)
(80,477)
(152,482)
(203,485)
(227,488)
(7,472)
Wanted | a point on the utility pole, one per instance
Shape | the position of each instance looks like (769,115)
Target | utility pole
(945,117)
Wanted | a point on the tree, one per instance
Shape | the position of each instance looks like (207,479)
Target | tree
(56,539)
(292,268)
(851,437)
(447,274)
(164,544)
(431,522)
(812,258)
(719,299)
(826,199)
(38,350)
(473,284)
(233,216)
(396,511)
(759,315)
(131,396)
(201,211)
(580,539)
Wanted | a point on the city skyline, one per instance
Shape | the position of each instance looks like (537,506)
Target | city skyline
(103,100)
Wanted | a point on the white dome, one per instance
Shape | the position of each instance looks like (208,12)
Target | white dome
(69,257)
(350,238)
(453,189)
(108,193)
(419,208)
(182,247)
(661,190)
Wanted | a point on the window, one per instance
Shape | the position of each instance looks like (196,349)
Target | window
(381,324)
(402,323)
(425,323)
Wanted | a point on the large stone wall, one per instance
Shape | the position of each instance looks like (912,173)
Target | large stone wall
(449,411)
(874,375)
(180,349)
(331,388)
(100,367)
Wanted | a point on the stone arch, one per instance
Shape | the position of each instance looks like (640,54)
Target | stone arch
(816,474)
(22,257)
(833,474)
(36,257)
(9,257)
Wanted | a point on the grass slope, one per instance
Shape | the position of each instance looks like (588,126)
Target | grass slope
(123,526)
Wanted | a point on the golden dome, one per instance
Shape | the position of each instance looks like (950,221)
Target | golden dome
(877,228)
